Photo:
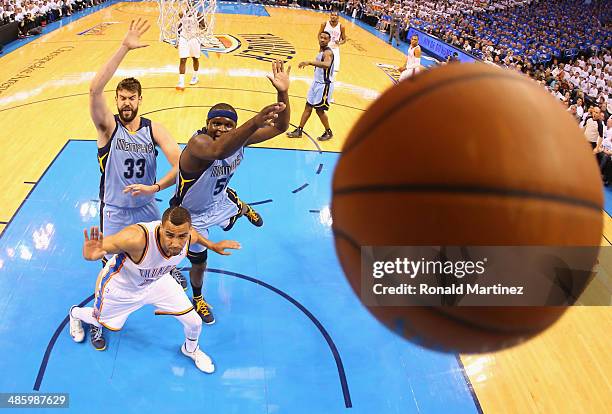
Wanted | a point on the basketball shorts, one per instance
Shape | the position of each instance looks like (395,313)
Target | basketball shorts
(319,95)
(189,48)
(114,219)
(218,215)
(408,73)
(113,305)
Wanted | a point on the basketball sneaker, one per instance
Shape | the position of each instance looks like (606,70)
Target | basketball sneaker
(180,279)
(296,133)
(194,80)
(96,337)
(326,135)
(76,327)
(253,216)
(180,86)
(202,361)
(203,309)
(250,213)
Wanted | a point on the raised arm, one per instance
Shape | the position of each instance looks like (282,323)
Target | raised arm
(206,148)
(215,247)
(101,114)
(130,240)
(280,81)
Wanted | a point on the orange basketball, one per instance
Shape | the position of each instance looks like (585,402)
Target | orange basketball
(411,171)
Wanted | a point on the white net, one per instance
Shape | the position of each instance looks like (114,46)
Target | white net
(188,18)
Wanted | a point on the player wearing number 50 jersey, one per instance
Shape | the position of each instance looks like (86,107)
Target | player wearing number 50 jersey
(127,150)
(209,161)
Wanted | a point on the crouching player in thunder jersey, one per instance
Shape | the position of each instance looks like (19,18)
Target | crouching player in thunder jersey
(138,274)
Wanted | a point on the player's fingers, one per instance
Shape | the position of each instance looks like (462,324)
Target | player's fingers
(288,70)
(270,108)
(132,25)
(145,28)
(85,234)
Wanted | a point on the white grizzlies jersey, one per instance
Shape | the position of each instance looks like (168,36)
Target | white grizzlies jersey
(128,158)
(203,191)
(335,34)
(132,276)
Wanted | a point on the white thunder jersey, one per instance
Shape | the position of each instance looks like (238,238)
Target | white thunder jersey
(129,275)
(335,34)
(188,27)
(411,60)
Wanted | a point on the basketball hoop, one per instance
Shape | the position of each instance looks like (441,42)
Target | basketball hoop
(202,10)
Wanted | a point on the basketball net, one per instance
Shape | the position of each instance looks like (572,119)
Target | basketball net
(201,10)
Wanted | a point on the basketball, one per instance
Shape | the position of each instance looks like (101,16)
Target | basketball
(465,154)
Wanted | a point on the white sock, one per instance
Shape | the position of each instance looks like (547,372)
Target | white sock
(192,326)
(85,315)
(182,78)
(195,73)
(191,345)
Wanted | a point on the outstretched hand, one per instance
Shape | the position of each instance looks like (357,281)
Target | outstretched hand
(92,246)
(140,189)
(132,38)
(280,77)
(225,244)
(266,116)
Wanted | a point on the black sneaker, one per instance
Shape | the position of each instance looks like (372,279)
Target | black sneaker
(253,216)
(96,337)
(178,276)
(296,133)
(203,309)
(326,135)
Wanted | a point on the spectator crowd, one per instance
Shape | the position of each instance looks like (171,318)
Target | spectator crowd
(31,15)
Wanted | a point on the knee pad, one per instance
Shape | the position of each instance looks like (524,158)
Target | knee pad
(198,258)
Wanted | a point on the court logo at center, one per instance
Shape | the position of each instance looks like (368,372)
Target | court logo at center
(266,47)
(221,43)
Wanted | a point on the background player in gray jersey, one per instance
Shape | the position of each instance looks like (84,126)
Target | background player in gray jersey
(321,89)
(207,164)
(127,151)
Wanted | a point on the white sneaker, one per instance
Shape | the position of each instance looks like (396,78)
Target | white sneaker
(193,80)
(180,86)
(76,328)
(202,361)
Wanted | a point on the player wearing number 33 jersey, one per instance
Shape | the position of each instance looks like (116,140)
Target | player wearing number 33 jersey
(127,146)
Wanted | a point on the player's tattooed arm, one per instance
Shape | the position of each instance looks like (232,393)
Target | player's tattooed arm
(280,80)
